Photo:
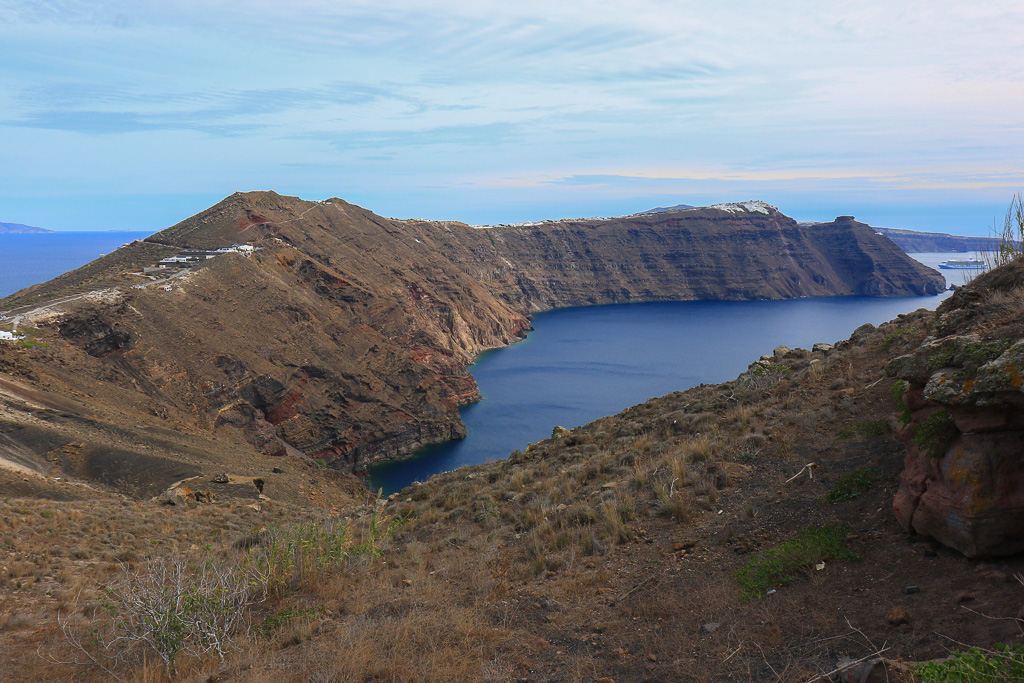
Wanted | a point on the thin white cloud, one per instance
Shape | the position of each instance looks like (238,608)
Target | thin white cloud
(914,94)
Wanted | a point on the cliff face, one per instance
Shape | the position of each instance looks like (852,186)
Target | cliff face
(345,336)
(912,241)
(688,254)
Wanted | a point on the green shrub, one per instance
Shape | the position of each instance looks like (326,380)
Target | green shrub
(777,566)
(307,554)
(747,456)
(932,435)
(1003,663)
(850,486)
(898,388)
(272,623)
(761,377)
(893,336)
(171,607)
(866,428)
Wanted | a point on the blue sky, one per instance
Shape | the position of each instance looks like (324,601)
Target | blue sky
(118,114)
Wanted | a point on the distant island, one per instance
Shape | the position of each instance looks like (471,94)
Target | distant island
(914,241)
(18,228)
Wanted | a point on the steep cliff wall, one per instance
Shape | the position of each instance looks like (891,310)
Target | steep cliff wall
(345,336)
(687,254)
(912,241)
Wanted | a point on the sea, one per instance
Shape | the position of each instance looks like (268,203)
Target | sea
(28,259)
(578,364)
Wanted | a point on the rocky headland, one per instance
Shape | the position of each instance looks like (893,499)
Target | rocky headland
(344,336)
(20,229)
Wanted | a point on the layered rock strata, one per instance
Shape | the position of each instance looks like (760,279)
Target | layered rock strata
(345,336)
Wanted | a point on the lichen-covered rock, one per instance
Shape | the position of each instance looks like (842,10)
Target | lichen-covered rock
(963,427)
(949,386)
(559,431)
(1005,373)
(971,498)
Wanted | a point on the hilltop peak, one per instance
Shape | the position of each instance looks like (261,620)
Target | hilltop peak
(749,206)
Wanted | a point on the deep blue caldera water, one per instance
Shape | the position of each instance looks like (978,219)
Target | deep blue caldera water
(32,258)
(580,364)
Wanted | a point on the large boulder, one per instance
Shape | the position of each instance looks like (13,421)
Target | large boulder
(971,498)
(963,428)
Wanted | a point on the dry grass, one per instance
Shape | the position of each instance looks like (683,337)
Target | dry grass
(600,553)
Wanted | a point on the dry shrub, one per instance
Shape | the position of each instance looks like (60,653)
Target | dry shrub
(402,646)
(615,521)
(680,470)
(700,448)
(741,415)
(8,613)
(579,514)
(679,504)
(815,371)
(702,421)
(165,608)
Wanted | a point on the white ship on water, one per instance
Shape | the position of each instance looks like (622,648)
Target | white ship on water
(964,264)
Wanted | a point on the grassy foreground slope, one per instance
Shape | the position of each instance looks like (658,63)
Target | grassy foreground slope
(739,531)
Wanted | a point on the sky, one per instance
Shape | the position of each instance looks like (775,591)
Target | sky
(129,114)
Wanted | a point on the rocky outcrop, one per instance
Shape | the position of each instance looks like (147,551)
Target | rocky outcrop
(345,336)
(963,423)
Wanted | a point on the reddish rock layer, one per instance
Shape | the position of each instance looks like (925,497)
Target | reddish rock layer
(346,335)
(963,424)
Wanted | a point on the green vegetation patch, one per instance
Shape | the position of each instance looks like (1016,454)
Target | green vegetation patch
(968,354)
(888,340)
(850,485)
(307,554)
(1003,663)
(898,388)
(932,435)
(771,370)
(777,566)
(867,429)
(274,622)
